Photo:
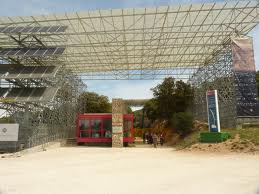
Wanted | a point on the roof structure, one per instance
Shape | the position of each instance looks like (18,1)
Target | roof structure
(136,43)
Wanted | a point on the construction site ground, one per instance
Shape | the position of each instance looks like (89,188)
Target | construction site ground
(139,170)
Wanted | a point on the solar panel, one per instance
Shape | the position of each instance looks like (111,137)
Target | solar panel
(12,72)
(22,52)
(37,94)
(13,51)
(24,29)
(40,52)
(14,92)
(18,29)
(28,94)
(50,51)
(35,29)
(27,29)
(7,30)
(3,52)
(28,69)
(44,29)
(40,70)
(59,51)
(26,72)
(3,69)
(53,29)
(49,94)
(3,91)
(50,69)
(31,51)
(62,29)
(25,94)
(2,29)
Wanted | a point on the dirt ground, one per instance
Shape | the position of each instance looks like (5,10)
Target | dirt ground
(78,170)
(231,145)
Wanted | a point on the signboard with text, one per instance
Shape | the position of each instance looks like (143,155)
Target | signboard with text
(245,77)
(213,111)
(9,132)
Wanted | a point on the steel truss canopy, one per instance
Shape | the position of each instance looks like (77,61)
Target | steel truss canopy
(137,43)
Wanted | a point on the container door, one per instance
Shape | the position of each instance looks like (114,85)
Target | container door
(96,128)
(84,128)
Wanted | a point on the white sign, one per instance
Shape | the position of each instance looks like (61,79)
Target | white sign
(9,132)
(117,129)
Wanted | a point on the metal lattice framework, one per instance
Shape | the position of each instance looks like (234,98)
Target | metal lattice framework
(218,75)
(141,43)
(41,53)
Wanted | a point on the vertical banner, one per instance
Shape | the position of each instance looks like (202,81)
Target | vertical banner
(213,111)
(245,77)
(243,54)
(117,122)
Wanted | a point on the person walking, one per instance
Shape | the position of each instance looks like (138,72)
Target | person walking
(155,137)
(147,137)
(150,137)
(162,139)
(144,137)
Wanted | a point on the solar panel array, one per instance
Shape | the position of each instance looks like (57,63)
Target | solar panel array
(39,51)
(33,29)
(26,72)
(42,94)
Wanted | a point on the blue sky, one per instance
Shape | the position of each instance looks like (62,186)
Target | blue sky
(124,89)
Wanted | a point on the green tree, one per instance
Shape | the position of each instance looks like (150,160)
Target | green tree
(183,96)
(129,110)
(151,109)
(164,94)
(90,102)
(182,122)
(171,97)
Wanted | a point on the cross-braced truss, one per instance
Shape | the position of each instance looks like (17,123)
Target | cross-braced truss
(139,43)
(41,53)
(219,75)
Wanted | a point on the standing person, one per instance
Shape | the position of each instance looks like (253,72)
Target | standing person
(162,139)
(144,137)
(155,137)
(150,138)
(147,137)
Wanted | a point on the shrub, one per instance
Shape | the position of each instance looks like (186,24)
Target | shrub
(139,132)
(182,123)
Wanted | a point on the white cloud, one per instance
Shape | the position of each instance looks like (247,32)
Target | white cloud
(127,89)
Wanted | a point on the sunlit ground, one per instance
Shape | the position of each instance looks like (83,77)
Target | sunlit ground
(128,171)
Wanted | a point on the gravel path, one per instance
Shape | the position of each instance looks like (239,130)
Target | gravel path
(79,170)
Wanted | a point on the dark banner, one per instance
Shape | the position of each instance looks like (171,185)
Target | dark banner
(245,77)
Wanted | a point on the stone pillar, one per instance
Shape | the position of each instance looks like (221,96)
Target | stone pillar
(117,122)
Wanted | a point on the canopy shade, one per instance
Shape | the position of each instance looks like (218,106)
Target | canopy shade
(138,42)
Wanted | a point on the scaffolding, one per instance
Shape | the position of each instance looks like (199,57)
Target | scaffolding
(137,43)
(37,90)
(43,59)
(217,75)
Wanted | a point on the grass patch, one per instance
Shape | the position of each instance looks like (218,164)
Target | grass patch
(251,134)
(188,140)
